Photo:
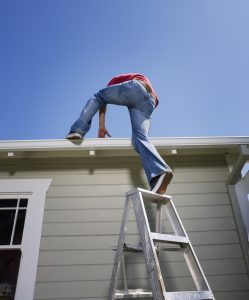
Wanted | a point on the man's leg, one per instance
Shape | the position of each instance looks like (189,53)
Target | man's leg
(83,124)
(152,162)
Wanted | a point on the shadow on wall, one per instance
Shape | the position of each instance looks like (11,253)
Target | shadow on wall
(119,171)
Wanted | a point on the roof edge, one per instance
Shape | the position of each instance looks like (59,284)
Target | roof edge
(122,143)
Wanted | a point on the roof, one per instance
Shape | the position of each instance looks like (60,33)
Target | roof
(119,146)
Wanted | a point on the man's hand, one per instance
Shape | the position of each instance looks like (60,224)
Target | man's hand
(103,132)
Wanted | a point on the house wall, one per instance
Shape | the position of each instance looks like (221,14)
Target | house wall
(82,218)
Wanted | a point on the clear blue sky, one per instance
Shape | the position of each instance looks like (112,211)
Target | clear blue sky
(55,53)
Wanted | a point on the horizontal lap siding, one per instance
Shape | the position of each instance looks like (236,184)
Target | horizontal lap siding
(82,218)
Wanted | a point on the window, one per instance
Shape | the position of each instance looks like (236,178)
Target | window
(21,213)
(12,220)
(9,269)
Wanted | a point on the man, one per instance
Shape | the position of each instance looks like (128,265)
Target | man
(134,91)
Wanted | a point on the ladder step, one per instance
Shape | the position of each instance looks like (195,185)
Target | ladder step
(137,293)
(189,295)
(151,196)
(168,238)
(139,248)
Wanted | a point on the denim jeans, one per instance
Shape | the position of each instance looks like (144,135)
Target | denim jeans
(140,104)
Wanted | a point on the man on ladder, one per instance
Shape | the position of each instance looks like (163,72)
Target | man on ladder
(134,91)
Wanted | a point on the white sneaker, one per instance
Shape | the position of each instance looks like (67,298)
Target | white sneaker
(162,183)
(74,136)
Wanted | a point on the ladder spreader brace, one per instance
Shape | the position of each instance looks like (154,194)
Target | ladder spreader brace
(151,246)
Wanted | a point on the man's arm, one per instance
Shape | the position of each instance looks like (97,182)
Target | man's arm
(102,130)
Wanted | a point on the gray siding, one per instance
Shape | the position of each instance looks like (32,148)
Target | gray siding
(82,217)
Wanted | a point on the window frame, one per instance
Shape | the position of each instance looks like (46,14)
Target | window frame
(35,190)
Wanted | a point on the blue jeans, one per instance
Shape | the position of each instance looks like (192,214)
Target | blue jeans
(140,104)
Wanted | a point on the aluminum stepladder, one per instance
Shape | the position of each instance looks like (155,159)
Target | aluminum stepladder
(151,245)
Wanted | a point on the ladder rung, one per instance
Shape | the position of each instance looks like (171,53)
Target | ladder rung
(131,248)
(189,295)
(139,248)
(137,293)
(175,248)
(168,238)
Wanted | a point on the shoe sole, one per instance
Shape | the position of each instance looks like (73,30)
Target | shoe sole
(74,137)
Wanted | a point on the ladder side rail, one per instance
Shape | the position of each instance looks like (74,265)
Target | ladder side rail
(158,227)
(195,269)
(174,219)
(124,272)
(152,263)
(119,252)
(159,217)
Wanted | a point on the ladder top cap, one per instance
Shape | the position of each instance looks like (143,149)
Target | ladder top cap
(149,195)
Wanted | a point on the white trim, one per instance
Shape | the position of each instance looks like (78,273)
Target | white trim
(243,157)
(12,247)
(238,189)
(36,190)
(120,143)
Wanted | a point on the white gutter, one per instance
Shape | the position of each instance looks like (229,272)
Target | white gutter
(121,143)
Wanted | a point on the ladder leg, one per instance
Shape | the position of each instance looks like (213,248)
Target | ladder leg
(195,269)
(158,225)
(152,262)
(174,219)
(124,273)
(119,252)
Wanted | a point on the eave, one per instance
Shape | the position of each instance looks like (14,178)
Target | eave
(119,147)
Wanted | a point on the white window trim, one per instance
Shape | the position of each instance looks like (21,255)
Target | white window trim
(36,190)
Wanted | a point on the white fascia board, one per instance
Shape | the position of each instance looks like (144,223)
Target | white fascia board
(121,144)
(200,142)
(63,145)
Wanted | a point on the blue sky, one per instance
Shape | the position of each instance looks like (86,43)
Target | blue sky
(55,53)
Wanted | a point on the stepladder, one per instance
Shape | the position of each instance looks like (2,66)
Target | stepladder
(152,245)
